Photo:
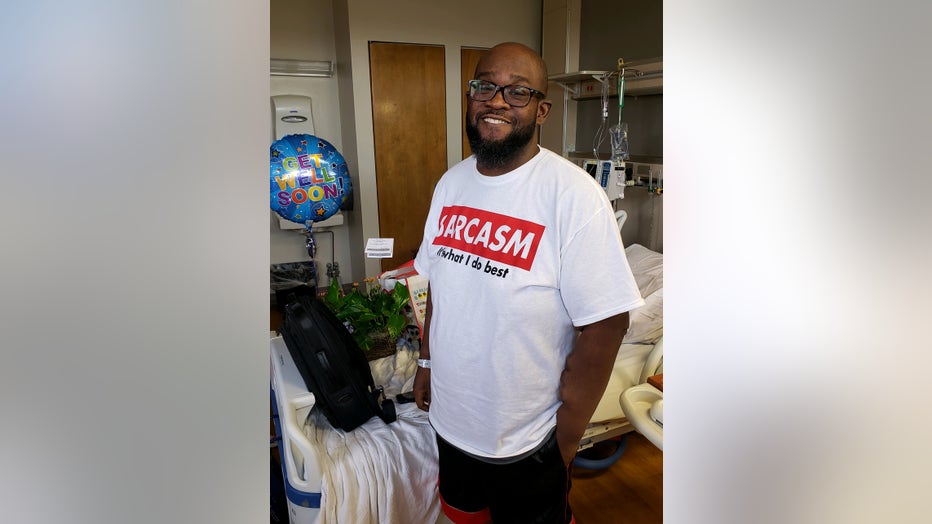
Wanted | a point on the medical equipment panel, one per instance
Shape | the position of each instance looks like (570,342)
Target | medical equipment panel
(609,174)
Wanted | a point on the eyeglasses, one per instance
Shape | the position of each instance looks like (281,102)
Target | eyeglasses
(514,94)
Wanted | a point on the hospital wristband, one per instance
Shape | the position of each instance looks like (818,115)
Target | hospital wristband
(423,363)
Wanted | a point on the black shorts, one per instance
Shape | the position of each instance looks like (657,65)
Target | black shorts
(534,489)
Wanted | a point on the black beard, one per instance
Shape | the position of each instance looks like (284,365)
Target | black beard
(497,153)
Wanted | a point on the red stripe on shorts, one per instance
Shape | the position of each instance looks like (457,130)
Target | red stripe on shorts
(459,516)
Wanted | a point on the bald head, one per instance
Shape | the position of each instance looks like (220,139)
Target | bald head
(517,61)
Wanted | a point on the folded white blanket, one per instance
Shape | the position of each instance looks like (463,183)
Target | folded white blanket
(379,473)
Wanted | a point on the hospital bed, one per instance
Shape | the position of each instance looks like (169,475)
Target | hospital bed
(387,473)
(639,357)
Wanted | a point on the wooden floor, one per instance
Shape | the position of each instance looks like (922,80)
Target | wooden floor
(629,492)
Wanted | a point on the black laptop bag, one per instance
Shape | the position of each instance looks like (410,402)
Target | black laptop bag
(332,365)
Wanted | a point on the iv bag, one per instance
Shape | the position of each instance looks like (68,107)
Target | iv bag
(619,134)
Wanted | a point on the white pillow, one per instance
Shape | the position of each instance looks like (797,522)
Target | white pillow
(647,267)
(646,321)
(646,325)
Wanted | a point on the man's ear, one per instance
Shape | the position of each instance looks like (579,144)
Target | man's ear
(543,109)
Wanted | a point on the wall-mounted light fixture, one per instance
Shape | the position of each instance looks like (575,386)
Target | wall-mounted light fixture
(313,68)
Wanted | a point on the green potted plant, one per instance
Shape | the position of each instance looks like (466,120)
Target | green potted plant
(375,317)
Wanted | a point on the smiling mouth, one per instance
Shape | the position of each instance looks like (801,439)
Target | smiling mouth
(494,120)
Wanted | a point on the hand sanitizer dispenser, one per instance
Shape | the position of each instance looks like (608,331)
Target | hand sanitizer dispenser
(291,115)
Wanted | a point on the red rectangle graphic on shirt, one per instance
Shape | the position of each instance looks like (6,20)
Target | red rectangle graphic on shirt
(498,237)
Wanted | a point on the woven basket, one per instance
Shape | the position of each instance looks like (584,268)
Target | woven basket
(384,347)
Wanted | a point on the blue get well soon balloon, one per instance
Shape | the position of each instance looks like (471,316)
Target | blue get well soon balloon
(308,178)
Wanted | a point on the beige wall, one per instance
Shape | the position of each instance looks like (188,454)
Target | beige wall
(560,50)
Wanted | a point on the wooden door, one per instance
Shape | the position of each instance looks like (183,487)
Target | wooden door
(469,59)
(409,125)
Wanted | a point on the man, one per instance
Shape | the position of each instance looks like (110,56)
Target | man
(527,305)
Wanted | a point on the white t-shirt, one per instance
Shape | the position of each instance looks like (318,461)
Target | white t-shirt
(515,263)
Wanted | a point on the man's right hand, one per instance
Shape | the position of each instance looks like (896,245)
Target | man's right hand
(422,388)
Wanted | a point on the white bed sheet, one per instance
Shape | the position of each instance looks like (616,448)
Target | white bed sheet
(379,473)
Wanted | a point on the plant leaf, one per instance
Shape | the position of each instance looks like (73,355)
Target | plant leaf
(396,323)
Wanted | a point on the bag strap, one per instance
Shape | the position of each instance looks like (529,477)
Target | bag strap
(384,407)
